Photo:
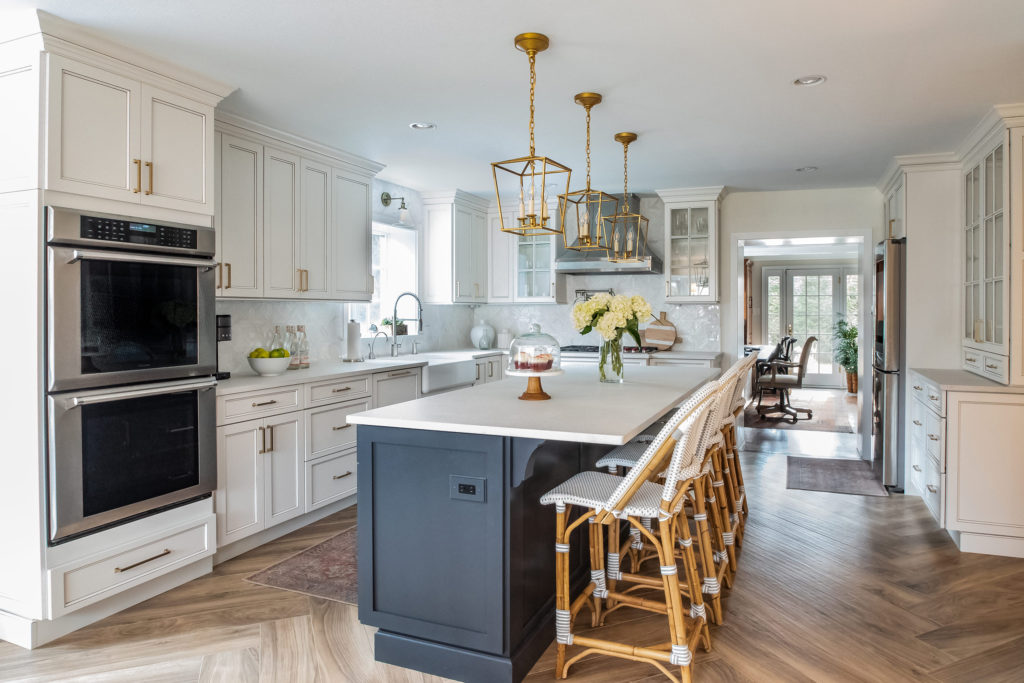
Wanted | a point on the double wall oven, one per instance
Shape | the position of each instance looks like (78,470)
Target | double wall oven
(131,347)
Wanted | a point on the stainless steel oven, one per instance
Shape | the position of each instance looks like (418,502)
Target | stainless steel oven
(118,453)
(127,300)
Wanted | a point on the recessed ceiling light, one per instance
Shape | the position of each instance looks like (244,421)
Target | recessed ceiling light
(422,125)
(815,79)
(807,169)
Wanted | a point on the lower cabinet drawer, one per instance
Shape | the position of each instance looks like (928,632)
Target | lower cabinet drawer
(93,579)
(239,407)
(931,491)
(329,430)
(934,435)
(330,478)
(970,359)
(917,458)
(995,368)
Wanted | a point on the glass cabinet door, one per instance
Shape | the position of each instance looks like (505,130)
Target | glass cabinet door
(689,252)
(985,254)
(534,274)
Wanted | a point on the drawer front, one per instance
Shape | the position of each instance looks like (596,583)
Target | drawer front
(338,390)
(995,368)
(238,407)
(971,359)
(330,478)
(928,393)
(935,438)
(931,492)
(917,458)
(329,429)
(78,586)
(918,412)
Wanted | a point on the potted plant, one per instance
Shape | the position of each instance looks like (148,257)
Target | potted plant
(395,329)
(844,350)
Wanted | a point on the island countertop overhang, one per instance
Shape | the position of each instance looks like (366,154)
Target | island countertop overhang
(581,408)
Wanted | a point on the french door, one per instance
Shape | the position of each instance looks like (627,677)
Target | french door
(803,302)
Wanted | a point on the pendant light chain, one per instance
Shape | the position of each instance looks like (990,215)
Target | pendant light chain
(588,149)
(533,83)
(625,176)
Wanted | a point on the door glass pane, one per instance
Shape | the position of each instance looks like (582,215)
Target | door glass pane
(989,197)
(137,315)
(976,195)
(542,283)
(542,254)
(978,313)
(989,312)
(997,312)
(853,299)
(773,309)
(989,248)
(996,256)
(996,179)
(969,261)
(699,266)
(976,235)
(680,255)
(680,285)
(968,313)
(699,220)
(525,284)
(525,256)
(812,285)
(968,208)
(138,448)
(680,222)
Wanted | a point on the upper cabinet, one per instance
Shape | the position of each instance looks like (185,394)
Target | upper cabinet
(115,137)
(691,244)
(292,223)
(455,242)
(991,305)
(522,269)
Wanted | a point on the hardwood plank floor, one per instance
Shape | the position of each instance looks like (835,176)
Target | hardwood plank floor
(830,588)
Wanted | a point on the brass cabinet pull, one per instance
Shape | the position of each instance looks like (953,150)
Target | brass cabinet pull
(917,388)
(263,441)
(270,431)
(228,266)
(338,391)
(220,275)
(478,373)
(149,165)
(305,280)
(490,369)
(933,437)
(299,287)
(933,397)
(917,422)
(264,403)
(917,468)
(931,488)
(402,373)
(138,175)
(971,360)
(118,570)
(991,366)
(338,429)
(341,476)
(458,289)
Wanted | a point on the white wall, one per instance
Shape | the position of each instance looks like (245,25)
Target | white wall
(814,212)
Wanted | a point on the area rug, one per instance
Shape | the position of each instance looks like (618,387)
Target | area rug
(833,475)
(327,570)
(834,411)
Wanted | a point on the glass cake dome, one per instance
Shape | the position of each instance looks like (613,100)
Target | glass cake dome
(534,352)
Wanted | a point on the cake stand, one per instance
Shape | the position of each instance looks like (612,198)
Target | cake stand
(534,391)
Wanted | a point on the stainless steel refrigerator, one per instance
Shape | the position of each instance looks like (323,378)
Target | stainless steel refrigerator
(888,363)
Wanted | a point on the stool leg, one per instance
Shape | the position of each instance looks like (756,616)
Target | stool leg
(717,539)
(723,510)
(563,619)
(613,572)
(731,494)
(700,516)
(673,599)
(738,469)
(597,575)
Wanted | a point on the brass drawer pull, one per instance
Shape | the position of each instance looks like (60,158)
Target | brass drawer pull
(264,403)
(228,266)
(138,175)
(933,397)
(917,388)
(931,488)
(933,437)
(917,422)
(149,165)
(270,431)
(263,441)
(220,276)
(341,476)
(991,366)
(338,429)
(917,468)
(403,373)
(338,391)
(118,570)
(971,360)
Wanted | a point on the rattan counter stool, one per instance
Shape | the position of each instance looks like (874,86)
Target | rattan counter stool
(738,508)
(605,499)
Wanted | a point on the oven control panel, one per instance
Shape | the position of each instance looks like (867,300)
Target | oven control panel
(114,230)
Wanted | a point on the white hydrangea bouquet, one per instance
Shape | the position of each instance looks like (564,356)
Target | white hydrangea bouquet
(611,316)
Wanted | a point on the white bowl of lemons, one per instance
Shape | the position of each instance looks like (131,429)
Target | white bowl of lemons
(269,363)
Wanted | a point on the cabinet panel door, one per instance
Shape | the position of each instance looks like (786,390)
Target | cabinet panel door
(314,232)
(285,467)
(395,387)
(463,268)
(240,223)
(240,492)
(350,238)
(478,222)
(92,132)
(500,277)
(177,142)
(280,223)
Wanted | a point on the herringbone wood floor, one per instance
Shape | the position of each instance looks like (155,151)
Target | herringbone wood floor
(830,588)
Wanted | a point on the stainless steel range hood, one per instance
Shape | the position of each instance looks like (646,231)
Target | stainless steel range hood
(582,263)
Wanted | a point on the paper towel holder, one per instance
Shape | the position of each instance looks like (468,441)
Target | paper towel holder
(358,358)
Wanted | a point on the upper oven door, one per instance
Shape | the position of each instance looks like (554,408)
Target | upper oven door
(116,317)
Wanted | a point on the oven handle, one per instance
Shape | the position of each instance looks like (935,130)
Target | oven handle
(92,255)
(76,401)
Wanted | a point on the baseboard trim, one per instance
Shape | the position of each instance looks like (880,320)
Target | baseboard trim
(989,544)
(248,543)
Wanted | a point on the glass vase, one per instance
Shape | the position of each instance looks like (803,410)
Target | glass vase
(610,363)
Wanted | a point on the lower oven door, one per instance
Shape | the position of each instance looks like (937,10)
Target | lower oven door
(118,317)
(115,454)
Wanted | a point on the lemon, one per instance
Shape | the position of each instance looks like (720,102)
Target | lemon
(279,353)
(259,352)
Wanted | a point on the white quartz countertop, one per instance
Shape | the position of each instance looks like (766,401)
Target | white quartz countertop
(961,380)
(328,370)
(668,355)
(581,408)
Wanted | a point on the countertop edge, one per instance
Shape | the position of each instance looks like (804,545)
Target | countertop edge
(946,378)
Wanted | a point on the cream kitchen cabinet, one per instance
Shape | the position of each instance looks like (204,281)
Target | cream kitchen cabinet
(490,369)
(396,386)
(291,223)
(691,244)
(260,475)
(112,136)
(454,253)
(522,269)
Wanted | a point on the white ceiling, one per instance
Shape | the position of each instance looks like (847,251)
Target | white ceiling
(707,85)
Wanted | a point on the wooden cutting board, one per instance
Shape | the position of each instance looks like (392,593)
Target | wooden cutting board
(661,333)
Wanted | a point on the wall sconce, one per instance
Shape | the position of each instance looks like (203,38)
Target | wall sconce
(403,212)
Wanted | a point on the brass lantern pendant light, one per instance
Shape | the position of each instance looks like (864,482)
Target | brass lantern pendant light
(588,206)
(524,181)
(627,231)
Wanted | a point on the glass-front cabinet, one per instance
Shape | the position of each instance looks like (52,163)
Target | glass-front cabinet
(691,244)
(521,269)
(535,275)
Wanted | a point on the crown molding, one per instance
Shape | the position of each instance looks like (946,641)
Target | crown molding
(916,163)
(693,194)
(455,197)
(239,125)
(997,118)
